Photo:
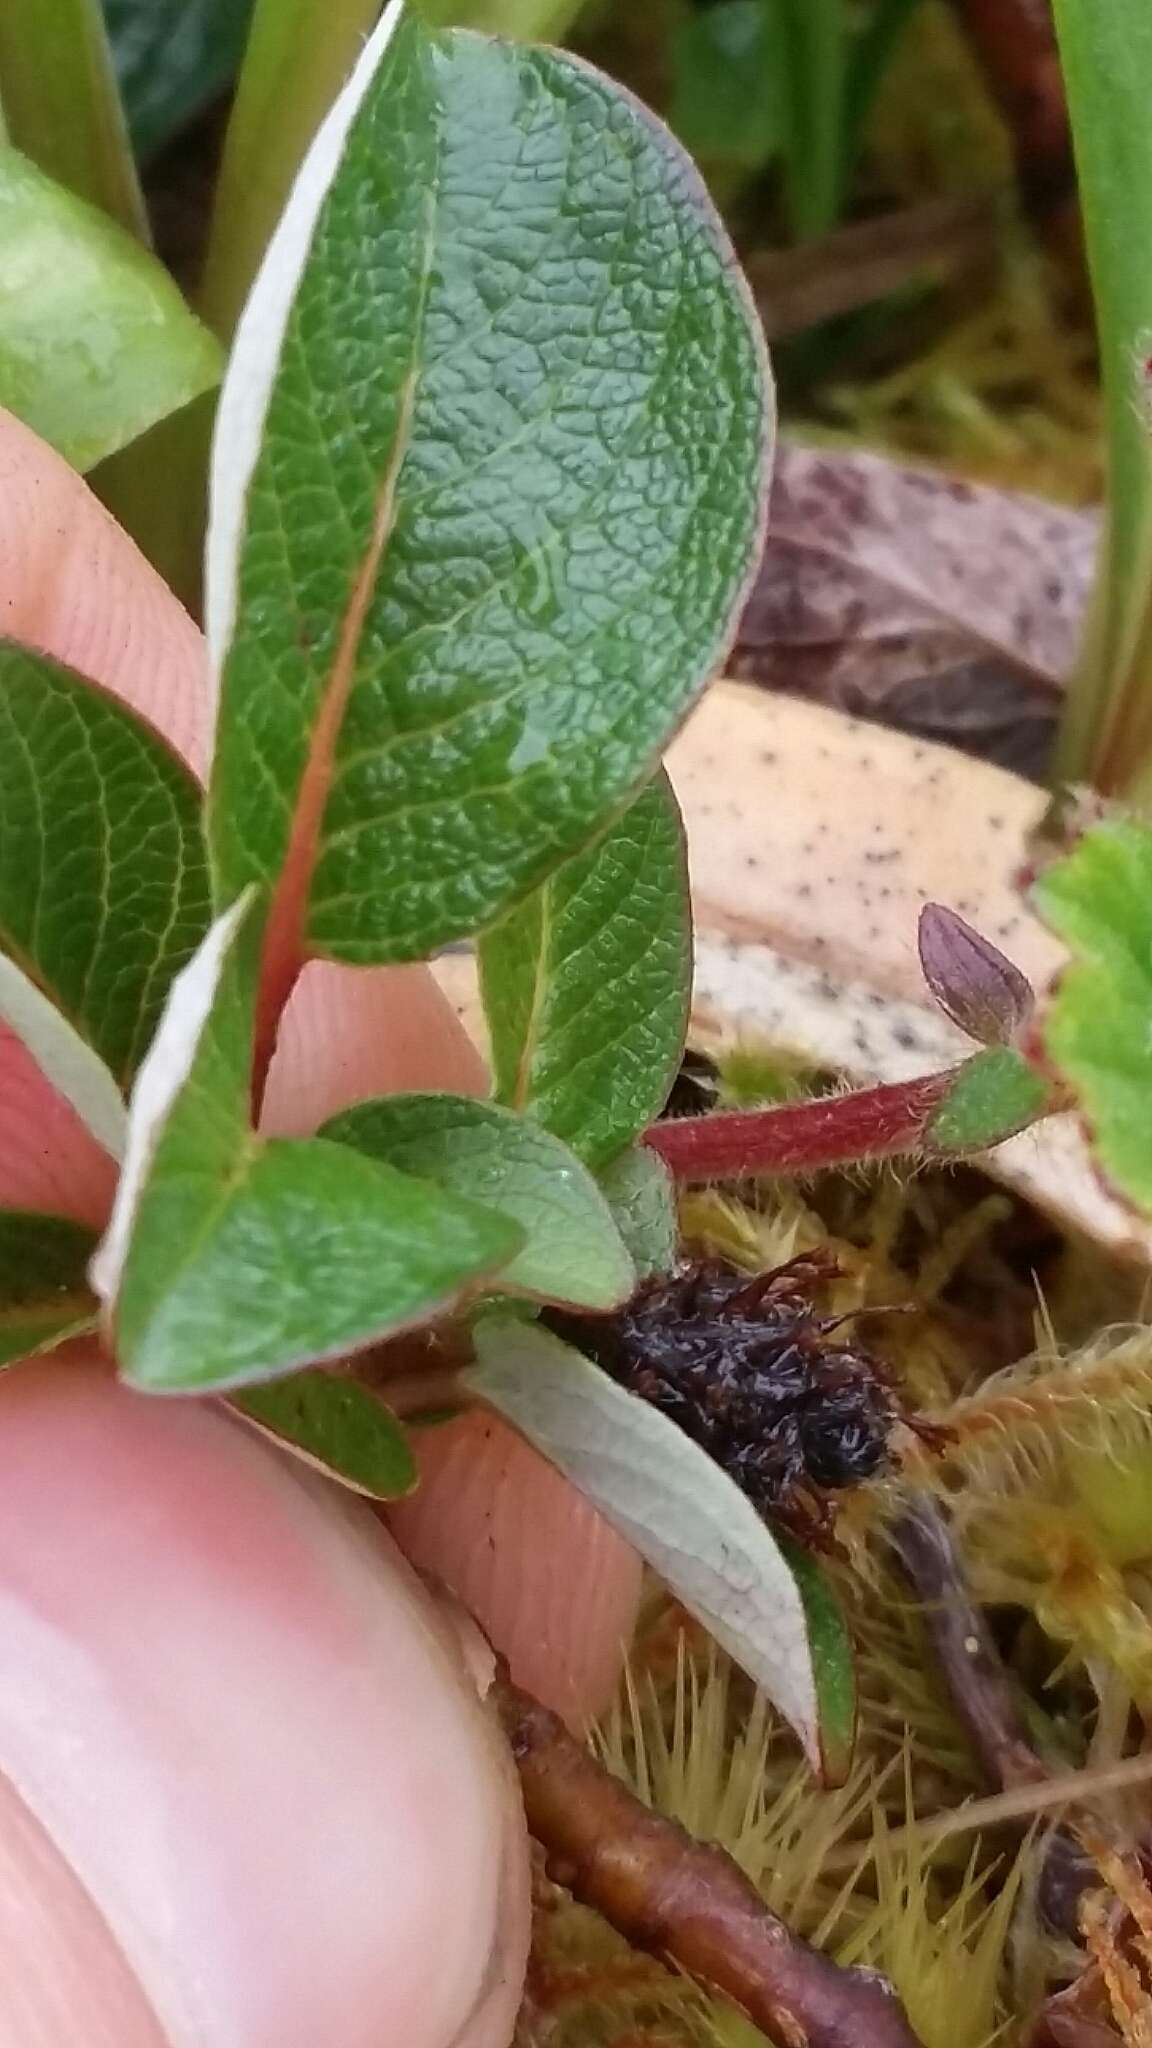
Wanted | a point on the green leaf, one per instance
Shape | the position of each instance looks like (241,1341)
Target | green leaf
(44,1294)
(833,1661)
(640,1193)
(173,57)
(103,882)
(96,343)
(1098,1025)
(230,1259)
(488,483)
(669,1498)
(572,1251)
(1106,52)
(586,985)
(337,1425)
(993,1095)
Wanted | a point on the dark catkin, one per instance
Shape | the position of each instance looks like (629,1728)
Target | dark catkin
(751,1372)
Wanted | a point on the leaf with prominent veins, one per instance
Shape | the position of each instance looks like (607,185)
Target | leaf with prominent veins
(586,983)
(103,881)
(231,1259)
(487,490)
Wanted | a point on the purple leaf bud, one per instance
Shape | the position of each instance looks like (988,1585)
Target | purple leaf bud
(971,980)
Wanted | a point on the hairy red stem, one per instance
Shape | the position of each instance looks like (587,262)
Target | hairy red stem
(800,1137)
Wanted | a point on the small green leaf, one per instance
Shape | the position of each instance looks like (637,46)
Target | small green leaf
(833,1661)
(586,985)
(1098,1026)
(230,1259)
(639,1191)
(339,1426)
(488,482)
(670,1499)
(96,343)
(573,1252)
(44,1294)
(993,1095)
(103,881)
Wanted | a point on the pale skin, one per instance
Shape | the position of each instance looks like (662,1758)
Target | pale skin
(250,1793)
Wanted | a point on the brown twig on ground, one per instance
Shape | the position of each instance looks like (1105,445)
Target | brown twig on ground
(1015,43)
(682,1900)
(942,238)
(967,1654)
(978,1685)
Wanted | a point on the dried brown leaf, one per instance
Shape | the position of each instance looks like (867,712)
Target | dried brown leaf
(947,609)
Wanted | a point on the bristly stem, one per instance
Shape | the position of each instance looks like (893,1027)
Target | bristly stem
(683,1900)
(800,1137)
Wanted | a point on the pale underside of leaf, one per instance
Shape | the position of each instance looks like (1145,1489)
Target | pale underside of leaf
(638,1189)
(65,1059)
(679,1509)
(259,335)
(158,1084)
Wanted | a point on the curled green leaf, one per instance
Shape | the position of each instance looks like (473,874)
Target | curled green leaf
(96,343)
(572,1252)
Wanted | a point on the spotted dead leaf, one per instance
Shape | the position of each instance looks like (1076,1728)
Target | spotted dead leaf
(919,600)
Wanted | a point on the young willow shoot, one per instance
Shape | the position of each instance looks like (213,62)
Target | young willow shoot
(488,488)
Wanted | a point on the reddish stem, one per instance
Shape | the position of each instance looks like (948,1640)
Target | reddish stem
(683,1900)
(1015,44)
(799,1137)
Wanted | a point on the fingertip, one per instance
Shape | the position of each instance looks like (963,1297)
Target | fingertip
(48,1157)
(74,585)
(349,1033)
(242,1726)
(550,1581)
